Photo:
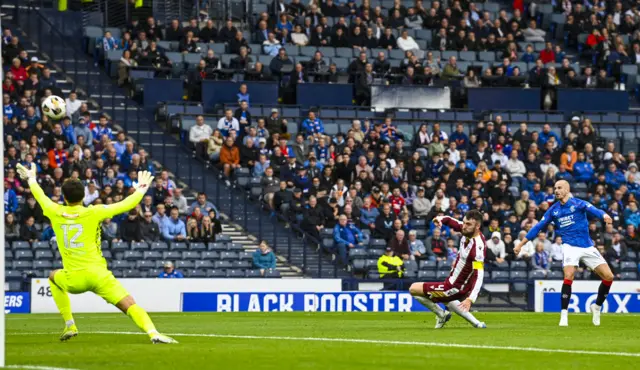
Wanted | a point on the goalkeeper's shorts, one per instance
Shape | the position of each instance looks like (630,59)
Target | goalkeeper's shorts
(97,280)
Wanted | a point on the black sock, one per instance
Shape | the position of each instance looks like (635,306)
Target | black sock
(603,291)
(566,293)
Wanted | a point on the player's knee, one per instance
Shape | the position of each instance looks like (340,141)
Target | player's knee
(125,303)
(607,275)
(416,289)
(52,274)
(569,274)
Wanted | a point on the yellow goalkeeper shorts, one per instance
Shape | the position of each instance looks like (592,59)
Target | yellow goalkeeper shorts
(97,280)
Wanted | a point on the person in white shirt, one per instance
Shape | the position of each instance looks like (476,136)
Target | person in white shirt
(516,169)
(496,245)
(533,33)
(73,104)
(227,123)
(199,136)
(527,250)
(498,156)
(454,153)
(91,193)
(556,249)
(406,42)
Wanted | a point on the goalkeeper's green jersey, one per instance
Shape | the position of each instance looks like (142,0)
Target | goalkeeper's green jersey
(77,228)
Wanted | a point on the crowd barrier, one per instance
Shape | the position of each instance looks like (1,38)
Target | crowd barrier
(593,100)
(316,94)
(225,92)
(490,98)
(156,90)
(410,97)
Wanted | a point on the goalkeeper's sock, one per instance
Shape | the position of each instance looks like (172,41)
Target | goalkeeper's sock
(142,319)
(63,303)
(453,306)
(603,291)
(566,293)
(431,305)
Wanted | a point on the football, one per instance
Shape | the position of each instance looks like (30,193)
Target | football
(54,107)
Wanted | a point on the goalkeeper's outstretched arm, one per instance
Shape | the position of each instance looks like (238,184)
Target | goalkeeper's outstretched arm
(29,174)
(144,180)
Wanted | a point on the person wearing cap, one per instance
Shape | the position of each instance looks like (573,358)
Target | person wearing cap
(499,156)
(34,67)
(390,265)
(345,236)
(572,127)
(170,272)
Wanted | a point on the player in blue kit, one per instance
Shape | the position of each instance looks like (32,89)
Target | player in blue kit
(569,218)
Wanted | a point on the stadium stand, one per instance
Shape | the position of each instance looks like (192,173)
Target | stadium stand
(287,171)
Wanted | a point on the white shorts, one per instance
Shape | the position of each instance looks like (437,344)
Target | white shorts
(572,256)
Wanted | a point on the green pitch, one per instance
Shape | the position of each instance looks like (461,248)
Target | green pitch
(327,341)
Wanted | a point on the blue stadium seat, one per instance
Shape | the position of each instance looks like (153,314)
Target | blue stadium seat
(41,245)
(197,247)
(23,255)
(45,254)
(178,246)
(235,273)
(185,265)
(202,274)
(190,255)
(518,266)
(132,255)
(444,265)
(518,275)
(139,246)
(144,265)
(152,255)
(42,265)
(499,276)
(272,273)
(427,275)
(628,275)
(253,274)
(210,255)
(441,275)
(555,275)
(428,265)
(628,266)
(245,256)
(17,245)
(171,255)
(410,265)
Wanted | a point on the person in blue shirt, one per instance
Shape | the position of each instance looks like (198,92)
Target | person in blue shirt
(170,272)
(613,176)
(537,195)
(9,110)
(10,199)
(345,236)
(173,228)
(563,174)
(243,94)
(264,258)
(459,137)
(546,134)
(569,218)
(312,126)
(583,170)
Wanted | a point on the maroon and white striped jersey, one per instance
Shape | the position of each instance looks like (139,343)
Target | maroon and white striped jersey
(467,271)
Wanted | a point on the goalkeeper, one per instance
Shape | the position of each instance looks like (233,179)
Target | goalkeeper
(77,230)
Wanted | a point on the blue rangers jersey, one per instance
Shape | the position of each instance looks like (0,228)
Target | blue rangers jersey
(569,221)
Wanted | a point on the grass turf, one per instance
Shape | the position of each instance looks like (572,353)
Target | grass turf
(33,340)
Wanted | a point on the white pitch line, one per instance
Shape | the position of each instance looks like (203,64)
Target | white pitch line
(373,341)
(34,367)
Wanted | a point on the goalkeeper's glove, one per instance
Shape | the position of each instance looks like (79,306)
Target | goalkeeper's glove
(27,173)
(145,178)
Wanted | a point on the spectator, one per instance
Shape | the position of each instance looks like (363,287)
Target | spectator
(228,123)
(28,231)
(173,228)
(202,203)
(149,229)
(451,70)
(263,258)
(390,265)
(345,236)
(109,231)
(130,230)
(400,245)
(170,272)
(384,223)
(436,245)
(229,158)
(417,249)
(497,247)
(407,43)
(12,228)
(541,259)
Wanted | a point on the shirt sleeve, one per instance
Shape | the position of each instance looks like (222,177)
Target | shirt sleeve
(478,266)
(590,209)
(544,222)
(49,207)
(108,211)
(452,223)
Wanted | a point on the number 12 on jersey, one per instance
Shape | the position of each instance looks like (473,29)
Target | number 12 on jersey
(71,234)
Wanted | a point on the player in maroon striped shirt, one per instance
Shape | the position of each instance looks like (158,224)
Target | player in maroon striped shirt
(465,280)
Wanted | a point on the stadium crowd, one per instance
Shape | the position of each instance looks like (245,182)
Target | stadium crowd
(459,45)
(86,147)
(366,184)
